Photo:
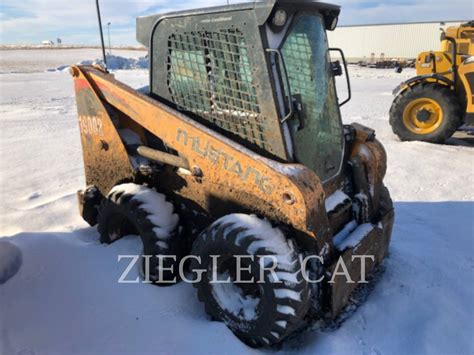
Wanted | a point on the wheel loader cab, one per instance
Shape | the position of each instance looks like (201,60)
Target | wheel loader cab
(259,73)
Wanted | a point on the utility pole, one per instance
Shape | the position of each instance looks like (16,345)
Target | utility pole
(108,31)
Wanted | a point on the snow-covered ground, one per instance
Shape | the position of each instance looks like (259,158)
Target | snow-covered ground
(37,60)
(65,298)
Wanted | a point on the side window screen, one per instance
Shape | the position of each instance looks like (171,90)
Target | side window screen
(188,80)
(209,74)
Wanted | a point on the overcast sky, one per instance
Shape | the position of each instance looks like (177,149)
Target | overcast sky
(31,21)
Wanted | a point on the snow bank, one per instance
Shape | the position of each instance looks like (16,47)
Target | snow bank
(114,62)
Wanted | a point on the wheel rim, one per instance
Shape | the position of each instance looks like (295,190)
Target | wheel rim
(241,300)
(423,116)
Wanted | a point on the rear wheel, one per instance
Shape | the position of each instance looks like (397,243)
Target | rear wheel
(265,311)
(137,209)
(426,112)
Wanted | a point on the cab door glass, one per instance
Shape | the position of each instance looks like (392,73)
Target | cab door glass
(317,133)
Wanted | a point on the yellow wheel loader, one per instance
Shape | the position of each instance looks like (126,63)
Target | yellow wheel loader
(434,104)
(235,159)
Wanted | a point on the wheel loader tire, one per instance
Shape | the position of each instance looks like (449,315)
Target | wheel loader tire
(137,209)
(260,314)
(426,112)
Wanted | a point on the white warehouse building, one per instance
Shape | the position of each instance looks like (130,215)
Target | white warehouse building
(398,40)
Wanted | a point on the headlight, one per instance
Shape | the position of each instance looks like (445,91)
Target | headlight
(280,18)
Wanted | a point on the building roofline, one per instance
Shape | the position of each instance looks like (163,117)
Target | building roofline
(402,23)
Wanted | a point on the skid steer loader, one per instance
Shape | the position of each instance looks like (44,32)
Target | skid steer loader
(435,103)
(236,154)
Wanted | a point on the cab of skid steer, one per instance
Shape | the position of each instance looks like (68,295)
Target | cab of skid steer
(258,73)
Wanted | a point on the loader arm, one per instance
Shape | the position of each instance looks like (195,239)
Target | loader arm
(292,192)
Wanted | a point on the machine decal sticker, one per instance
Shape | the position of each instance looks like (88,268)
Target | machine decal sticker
(215,156)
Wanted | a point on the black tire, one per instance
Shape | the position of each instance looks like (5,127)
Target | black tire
(276,309)
(385,207)
(386,203)
(446,99)
(137,209)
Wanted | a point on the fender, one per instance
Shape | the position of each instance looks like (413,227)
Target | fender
(420,79)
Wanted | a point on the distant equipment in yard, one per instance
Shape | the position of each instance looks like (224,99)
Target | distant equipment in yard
(384,63)
(47,43)
(436,102)
(397,40)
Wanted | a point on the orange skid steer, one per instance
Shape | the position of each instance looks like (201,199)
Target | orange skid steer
(238,149)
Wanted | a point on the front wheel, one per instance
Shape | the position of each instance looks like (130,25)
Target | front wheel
(426,112)
(262,312)
(137,209)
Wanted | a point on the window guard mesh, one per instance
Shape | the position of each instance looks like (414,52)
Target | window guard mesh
(210,75)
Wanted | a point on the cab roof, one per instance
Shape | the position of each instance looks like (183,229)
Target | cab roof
(262,9)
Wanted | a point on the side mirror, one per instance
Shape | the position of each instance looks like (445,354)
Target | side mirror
(336,68)
(442,37)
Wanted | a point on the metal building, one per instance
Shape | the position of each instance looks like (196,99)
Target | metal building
(398,40)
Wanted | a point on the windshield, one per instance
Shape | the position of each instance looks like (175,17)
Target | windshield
(319,143)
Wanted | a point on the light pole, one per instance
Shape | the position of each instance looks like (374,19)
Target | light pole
(108,32)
